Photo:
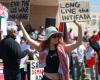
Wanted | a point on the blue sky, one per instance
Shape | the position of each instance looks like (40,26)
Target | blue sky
(95,5)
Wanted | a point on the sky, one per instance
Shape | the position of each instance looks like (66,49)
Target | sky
(95,5)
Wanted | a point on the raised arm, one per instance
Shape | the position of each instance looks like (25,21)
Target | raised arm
(70,47)
(33,43)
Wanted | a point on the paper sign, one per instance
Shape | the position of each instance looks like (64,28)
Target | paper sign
(19,9)
(74,10)
(36,70)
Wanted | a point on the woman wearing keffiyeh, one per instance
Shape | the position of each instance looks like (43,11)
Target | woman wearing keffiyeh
(53,52)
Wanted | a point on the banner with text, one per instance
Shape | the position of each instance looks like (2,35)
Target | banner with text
(19,9)
(36,70)
(74,10)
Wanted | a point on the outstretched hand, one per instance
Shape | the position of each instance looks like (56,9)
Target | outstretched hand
(76,23)
(20,23)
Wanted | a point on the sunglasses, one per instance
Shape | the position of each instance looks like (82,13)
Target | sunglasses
(56,36)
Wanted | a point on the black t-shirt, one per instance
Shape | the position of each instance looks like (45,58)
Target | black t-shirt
(52,62)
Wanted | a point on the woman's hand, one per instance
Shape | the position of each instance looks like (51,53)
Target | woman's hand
(73,45)
(21,24)
(32,42)
(76,23)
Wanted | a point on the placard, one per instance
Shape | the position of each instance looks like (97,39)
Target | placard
(74,10)
(36,70)
(19,9)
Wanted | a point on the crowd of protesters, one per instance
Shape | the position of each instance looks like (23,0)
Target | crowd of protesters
(61,61)
(84,55)
(53,52)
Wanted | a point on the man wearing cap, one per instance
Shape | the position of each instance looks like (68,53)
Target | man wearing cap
(11,55)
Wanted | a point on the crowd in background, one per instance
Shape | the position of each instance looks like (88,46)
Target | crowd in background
(83,56)
(61,59)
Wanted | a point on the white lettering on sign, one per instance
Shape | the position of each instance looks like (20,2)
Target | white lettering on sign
(74,10)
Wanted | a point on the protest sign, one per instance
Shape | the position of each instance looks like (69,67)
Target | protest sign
(36,71)
(19,9)
(74,10)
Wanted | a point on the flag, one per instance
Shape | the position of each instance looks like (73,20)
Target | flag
(65,37)
(95,38)
(63,28)
(60,29)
